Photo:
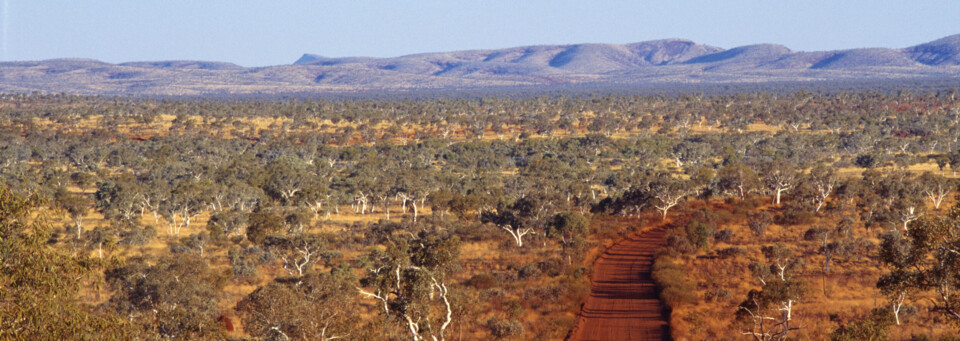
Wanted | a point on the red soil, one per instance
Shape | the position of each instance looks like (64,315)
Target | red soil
(623,302)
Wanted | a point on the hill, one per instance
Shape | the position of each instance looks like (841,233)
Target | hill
(670,61)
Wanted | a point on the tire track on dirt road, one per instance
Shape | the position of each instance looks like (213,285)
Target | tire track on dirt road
(623,302)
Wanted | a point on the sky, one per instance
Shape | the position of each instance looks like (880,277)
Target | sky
(274,32)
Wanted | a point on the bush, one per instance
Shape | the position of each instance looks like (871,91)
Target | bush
(731,252)
(699,233)
(748,204)
(502,329)
(566,225)
(262,224)
(846,225)
(540,296)
(679,243)
(552,267)
(138,236)
(581,272)
(243,262)
(718,295)
(796,215)
(873,327)
(675,288)
(814,234)
(491,294)
(759,222)
(529,271)
(575,249)
(725,235)
(473,232)
(867,160)
(676,296)
(482,281)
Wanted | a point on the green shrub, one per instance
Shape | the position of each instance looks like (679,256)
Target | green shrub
(482,281)
(796,215)
(731,252)
(529,271)
(873,327)
(675,288)
(725,235)
(502,329)
(699,234)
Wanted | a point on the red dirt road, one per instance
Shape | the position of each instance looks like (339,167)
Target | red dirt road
(623,302)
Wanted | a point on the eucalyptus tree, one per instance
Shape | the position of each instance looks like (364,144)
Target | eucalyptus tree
(821,182)
(778,178)
(118,198)
(767,313)
(298,252)
(667,192)
(935,187)
(175,297)
(75,205)
(285,177)
(738,178)
(925,258)
(186,202)
(410,280)
(42,284)
(318,306)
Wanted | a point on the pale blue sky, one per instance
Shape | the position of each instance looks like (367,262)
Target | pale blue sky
(271,32)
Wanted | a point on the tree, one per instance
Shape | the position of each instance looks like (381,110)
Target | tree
(738,178)
(520,218)
(926,258)
(898,286)
(101,235)
(175,298)
(41,284)
(822,181)
(225,223)
(286,176)
(313,307)
(779,177)
(767,313)
(298,252)
(261,224)
(196,242)
(570,228)
(76,206)
(117,200)
(822,236)
(668,192)
(759,222)
(409,279)
(185,203)
(935,188)
(566,225)
(872,327)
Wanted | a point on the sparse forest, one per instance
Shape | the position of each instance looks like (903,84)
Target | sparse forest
(803,216)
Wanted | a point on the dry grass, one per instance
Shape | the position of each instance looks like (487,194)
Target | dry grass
(496,254)
(845,294)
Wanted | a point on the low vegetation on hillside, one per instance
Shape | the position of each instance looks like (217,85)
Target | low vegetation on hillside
(804,216)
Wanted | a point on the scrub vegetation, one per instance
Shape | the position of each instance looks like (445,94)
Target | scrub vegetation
(790,216)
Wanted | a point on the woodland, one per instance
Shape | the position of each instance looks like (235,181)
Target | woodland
(802,215)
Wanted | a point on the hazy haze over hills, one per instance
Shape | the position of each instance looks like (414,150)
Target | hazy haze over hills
(671,61)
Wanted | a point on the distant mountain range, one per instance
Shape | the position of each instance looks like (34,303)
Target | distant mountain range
(671,61)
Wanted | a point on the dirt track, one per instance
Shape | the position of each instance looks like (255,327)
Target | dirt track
(623,302)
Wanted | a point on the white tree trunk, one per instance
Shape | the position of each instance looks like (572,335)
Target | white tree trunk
(518,233)
(415,211)
(896,305)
